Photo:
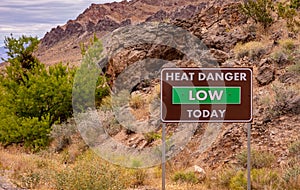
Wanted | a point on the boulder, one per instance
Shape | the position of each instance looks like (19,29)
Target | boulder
(219,55)
(159,16)
(293,105)
(106,24)
(289,78)
(198,171)
(53,36)
(220,26)
(266,74)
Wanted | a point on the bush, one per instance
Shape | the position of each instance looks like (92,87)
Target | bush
(138,176)
(295,4)
(90,173)
(32,97)
(259,10)
(136,101)
(292,178)
(294,149)
(294,68)
(254,50)
(263,178)
(291,174)
(238,182)
(260,179)
(188,177)
(288,11)
(287,44)
(283,97)
(226,175)
(259,159)
(30,180)
(152,136)
(62,134)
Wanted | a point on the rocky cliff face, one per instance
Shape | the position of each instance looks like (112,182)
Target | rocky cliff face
(109,16)
(102,18)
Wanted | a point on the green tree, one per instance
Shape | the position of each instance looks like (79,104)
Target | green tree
(88,92)
(288,12)
(32,97)
(295,4)
(259,10)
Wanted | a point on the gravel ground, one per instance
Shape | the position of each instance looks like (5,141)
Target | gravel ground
(6,185)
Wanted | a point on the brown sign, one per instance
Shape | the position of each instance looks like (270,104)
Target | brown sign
(206,95)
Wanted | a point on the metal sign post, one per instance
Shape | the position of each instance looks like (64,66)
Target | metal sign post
(163,156)
(248,156)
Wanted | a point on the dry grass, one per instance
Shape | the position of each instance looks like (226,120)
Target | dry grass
(254,50)
(50,171)
(294,68)
(141,103)
(288,44)
(136,101)
(47,170)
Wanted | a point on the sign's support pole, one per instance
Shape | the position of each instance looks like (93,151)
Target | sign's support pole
(163,156)
(248,156)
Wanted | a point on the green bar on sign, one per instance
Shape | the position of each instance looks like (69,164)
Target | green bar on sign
(206,95)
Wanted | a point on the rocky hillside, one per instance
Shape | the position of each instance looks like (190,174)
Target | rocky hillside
(233,40)
(102,18)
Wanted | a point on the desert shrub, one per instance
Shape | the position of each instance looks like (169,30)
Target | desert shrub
(285,53)
(33,97)
(136,101)
(288,11)
(287,44)
(291,178)
(278,54)
(106,104)
(265,100)
(295,4)
(113,126)
(259,10)
(185,177)
(260,179)
(152,136)
(91,173)
(283,96)
(238,182)
(226,175)
(138,177)
(262,11)
(62,133)
(264,178)
(294,68)
(291,174)
(294,149)
(259,159)
(30,180)
(254,50)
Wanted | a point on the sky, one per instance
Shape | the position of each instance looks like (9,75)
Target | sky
(36,17)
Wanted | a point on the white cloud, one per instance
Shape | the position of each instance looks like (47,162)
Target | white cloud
(36,17)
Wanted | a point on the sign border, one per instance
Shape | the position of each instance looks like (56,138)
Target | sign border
(208,121)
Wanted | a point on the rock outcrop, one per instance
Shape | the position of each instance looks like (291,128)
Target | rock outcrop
(109,16)
(198,16)
(221,26)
